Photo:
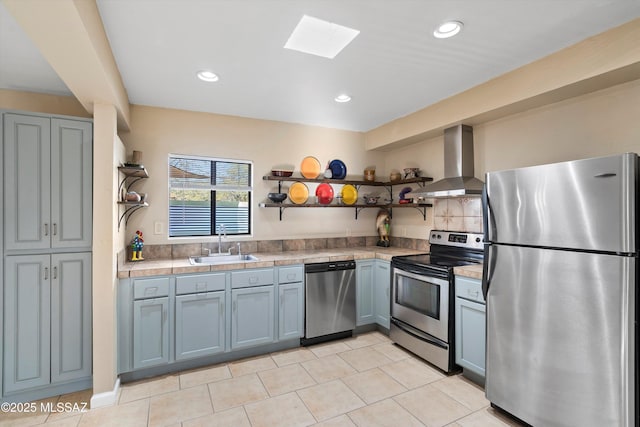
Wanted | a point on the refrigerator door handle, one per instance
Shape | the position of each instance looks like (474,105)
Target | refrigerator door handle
(485,213)
(488,267)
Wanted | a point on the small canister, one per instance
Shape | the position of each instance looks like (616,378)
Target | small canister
(369,174)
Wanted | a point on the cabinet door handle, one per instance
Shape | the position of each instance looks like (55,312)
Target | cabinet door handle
(46,228)
(55,229)
(46,273)
(235,306)
(221,310)
(55,272)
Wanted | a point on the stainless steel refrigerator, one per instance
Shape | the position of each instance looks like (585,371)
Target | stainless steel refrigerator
(560,281)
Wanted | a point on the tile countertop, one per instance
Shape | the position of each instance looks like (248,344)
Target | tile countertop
(472,271)
(265,259)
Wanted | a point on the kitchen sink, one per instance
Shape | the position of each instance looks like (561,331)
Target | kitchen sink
(221,259)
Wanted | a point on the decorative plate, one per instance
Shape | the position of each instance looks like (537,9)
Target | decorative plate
(324,193)
(338,169)
(298,193)
(349,194)
(404,191)
(310,167)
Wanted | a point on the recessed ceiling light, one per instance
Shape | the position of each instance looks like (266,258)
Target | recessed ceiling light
(342,98)
(207,76)
(448,29)
(317,37)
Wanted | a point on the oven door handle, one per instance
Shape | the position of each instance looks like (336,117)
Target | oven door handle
(419,334)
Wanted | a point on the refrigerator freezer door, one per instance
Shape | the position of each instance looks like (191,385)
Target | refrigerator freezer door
(560,336)
(585,204)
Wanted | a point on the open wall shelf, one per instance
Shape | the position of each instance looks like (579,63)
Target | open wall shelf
(422,208)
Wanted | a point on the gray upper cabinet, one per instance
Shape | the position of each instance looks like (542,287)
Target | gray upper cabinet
(47,183)
(47,320)
(71,183)
(27,176)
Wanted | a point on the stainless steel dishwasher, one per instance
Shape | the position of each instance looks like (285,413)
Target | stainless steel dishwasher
(330,301)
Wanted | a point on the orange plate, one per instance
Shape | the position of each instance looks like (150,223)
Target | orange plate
(310,167)
(298,193)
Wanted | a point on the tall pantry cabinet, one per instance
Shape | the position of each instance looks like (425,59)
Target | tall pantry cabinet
(47,235)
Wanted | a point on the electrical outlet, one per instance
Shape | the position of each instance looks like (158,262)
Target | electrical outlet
(348,232)
(157,227)
(404,231)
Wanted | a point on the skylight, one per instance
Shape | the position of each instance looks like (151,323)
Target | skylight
(321,38)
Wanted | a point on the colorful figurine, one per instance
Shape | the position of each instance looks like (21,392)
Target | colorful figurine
(136,247)
(383,223)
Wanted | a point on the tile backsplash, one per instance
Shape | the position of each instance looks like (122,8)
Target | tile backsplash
(184,250)
(458,214)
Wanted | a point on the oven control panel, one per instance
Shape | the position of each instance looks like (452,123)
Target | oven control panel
(459,239)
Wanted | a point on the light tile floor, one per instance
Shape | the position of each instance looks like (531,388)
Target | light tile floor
(361,381)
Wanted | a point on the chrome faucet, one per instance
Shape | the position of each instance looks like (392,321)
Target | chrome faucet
(221,230)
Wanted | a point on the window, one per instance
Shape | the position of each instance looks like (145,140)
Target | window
(206,193)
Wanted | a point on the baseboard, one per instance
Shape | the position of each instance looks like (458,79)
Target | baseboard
(108,398)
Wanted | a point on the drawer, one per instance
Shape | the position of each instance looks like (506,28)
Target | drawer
(252,277)
(291,274)
(151,288)
(470,289)
(200,283)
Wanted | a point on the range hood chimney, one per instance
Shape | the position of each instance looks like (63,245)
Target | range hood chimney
(459,177)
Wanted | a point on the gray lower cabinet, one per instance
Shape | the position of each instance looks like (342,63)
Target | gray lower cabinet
(470,325)
(382,294)
(373,292)
(47,320)
(150,322)
(168,319)
(365,306)
(199,313)
(290,310)
(47,182)
(200,324)
(252,316)
(290,302)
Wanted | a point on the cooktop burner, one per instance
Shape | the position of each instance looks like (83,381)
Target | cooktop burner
(437,260)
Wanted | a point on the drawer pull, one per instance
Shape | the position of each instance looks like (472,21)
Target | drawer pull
(254,279)
(291,276)
(201,286)
(151,290)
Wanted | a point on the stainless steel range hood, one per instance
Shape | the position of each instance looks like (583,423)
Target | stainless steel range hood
(458,167)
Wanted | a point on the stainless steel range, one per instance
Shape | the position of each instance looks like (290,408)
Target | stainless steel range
(422,296)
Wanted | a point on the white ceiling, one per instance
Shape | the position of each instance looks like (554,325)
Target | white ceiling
(393,68)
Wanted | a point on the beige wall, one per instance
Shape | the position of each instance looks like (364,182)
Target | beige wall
(41,103)
(158,132)
(600,123)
